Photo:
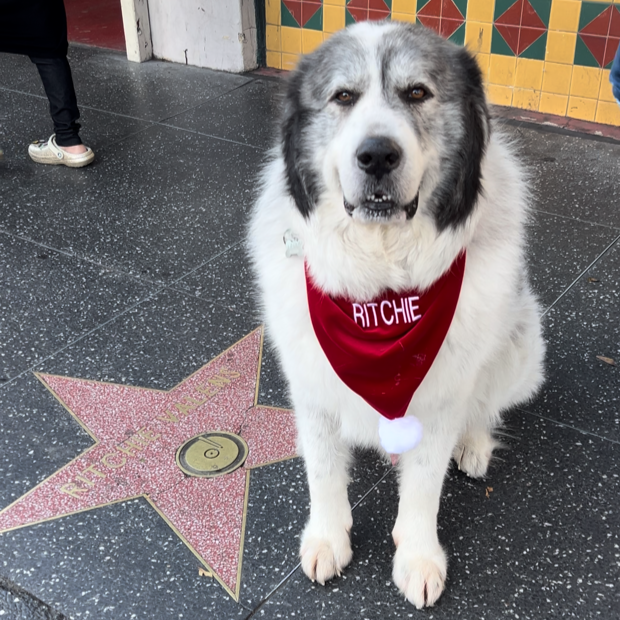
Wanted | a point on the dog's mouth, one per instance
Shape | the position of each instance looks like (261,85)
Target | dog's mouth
(382,207)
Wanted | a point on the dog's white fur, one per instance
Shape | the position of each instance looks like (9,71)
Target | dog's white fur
(491,358)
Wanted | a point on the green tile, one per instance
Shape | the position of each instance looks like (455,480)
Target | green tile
(348,18)
(421,4)
(590,10)
(316,21)
(543,8)
(536,50)
(389,4)
(499,45)
(287,18)
(501,6)
(461,5)
(583,56)
(458,36)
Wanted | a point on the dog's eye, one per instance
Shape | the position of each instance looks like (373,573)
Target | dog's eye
(417,93)
(344,97)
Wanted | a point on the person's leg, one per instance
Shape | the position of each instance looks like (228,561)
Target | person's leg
(58,84)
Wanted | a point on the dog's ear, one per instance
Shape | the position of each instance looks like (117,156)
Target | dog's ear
(301,179)
(461,183)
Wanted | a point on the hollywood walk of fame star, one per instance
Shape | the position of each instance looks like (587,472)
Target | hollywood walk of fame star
(138,433)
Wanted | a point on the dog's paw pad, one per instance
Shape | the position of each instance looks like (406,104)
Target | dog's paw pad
(321,559)
(420,578)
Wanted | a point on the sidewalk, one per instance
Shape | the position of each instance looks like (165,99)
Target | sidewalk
(121,284)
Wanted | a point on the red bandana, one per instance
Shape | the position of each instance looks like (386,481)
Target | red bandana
(383,349)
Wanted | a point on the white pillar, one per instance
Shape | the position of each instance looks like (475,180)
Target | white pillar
(137,28)
(219,34)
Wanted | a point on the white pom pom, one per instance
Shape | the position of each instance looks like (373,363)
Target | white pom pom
(399,435)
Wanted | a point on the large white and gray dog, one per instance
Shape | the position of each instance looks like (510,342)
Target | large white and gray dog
(388,167)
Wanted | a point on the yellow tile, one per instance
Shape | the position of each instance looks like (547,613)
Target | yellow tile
(272,36)
(529,73)
(561,47)
(274,60)
(565,15)
(291,40)
(556,78)
(310,40)
(525,98)
(502,70)
(333,18)
(404,17)
(608,113)
(582,108)
(289,61)
(478,36)
(484,61)
(553,104)
(586,82)
(272,11)
(335,2)
(499,95)
(605,94)
(404,6)
(480,11)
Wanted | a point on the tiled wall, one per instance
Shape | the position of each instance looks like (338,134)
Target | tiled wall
(551,56)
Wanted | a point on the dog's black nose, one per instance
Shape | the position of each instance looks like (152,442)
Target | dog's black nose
(378,156)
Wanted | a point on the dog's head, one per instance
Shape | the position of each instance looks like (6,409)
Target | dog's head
(385,118)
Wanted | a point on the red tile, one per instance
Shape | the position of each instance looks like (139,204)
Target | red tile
(449,27)
(358,14)
(434,23)
(294,6)
(530,18)
(527,36)
(449,10)
(308,9)
(599,25)
(378,5)
(596,45)
(511,17)
(614,27)
(378,15)
(431,9)
(510,35)
(610,50)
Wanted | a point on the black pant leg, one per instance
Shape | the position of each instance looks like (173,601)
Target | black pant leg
(56,77)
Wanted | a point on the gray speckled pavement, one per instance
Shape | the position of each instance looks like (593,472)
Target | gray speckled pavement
(131,272)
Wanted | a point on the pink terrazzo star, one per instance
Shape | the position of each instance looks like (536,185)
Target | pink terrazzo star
(137,432)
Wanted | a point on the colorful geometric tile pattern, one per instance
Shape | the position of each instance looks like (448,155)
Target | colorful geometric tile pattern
(302,13)
(520,26)
(445,17)
(600,35)
(550,56)
(361,10)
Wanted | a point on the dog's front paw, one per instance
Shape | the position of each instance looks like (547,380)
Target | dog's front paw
(420,577)
(473,454)
(324,557)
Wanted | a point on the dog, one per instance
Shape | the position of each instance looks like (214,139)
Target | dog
(389,175)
